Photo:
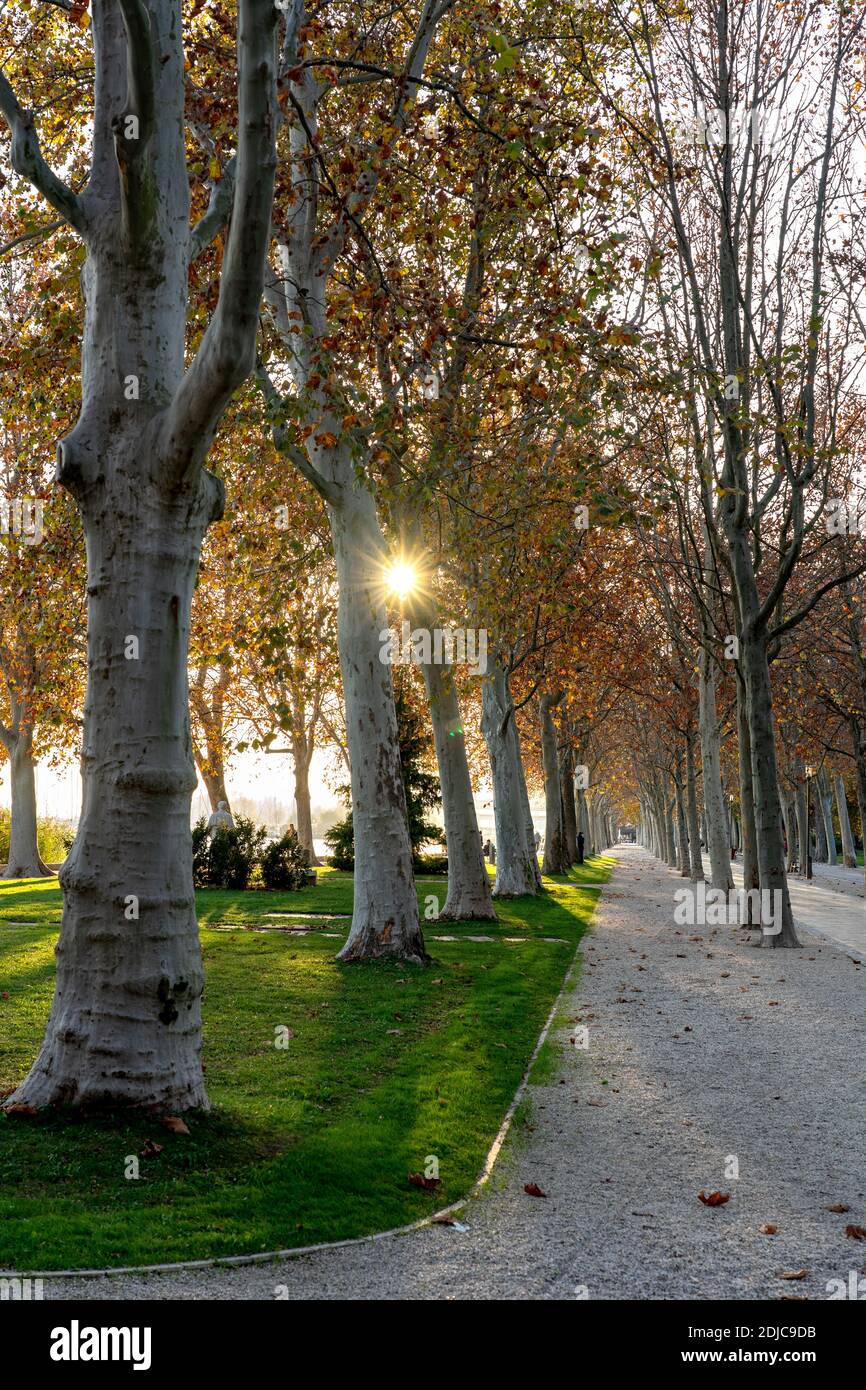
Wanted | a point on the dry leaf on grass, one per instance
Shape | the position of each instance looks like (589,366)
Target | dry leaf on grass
(174,1124)
(419,1180)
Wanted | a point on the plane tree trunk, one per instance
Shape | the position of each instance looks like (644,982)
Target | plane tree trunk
(24,859)
(125,1024)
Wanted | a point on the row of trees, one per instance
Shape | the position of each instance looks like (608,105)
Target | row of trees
(470,337)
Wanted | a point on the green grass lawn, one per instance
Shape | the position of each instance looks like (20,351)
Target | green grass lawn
(385,1066)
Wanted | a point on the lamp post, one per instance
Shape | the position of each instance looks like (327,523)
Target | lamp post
(810,773)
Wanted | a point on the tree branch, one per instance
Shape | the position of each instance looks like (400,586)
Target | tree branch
(226,354)
(27,160)
(218,211)
(326,489)
(134,127)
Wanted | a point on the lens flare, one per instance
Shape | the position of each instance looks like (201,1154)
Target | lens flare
(401,578)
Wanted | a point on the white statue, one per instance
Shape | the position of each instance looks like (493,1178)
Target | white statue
(221,819)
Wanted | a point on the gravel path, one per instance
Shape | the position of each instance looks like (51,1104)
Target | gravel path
(690,1060)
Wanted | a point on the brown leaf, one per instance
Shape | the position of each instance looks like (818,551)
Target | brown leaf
(174,1124)
(793,1274)
(767,1230)
(150,1149)
(533,1190)
(444,1221)
(713,1199)
(855,1232)
(837,1206)
(419,1180)
(19,1109)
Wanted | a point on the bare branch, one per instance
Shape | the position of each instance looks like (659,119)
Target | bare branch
(226,354)
(133,128)
(326,489)
(27,160)
(218,211)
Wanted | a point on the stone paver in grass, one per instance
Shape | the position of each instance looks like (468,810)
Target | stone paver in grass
(699,1050)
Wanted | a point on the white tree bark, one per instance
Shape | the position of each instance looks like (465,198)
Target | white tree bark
(516,862)
(385,920)
(555,859)
(825,803)
(24,859)
(125,1025)
(849,853)
(714,800)
(469,894)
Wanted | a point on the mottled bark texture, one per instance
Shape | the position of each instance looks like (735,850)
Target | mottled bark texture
(24,860)
(385,920)
(555,857)
(516,860)
(125,1025)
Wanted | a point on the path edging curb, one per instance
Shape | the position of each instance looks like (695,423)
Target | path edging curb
(269,1256)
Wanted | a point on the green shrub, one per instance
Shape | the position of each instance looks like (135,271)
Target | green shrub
(54,837)
(340,840)
(284,863)
(227,858)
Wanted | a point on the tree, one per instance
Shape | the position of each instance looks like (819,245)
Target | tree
(125,1026)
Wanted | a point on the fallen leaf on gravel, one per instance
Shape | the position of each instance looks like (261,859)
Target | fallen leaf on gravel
(533,1190)
(150,1149)
(793,1274)
(837,1206)
(419,1180)
(174,1124)
(444,1221)
(767,1230)
(771,1002)
(714,1199)
(597,1102)
(725,975)
(855,1232)
(793,1298)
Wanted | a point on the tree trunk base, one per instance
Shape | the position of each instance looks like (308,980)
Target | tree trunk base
(47,1088)
(32,870)
(370,943)
(466,907)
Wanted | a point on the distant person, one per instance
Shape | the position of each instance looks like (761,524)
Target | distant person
(221,819)
(580,844)
(492,852)
(537,841)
